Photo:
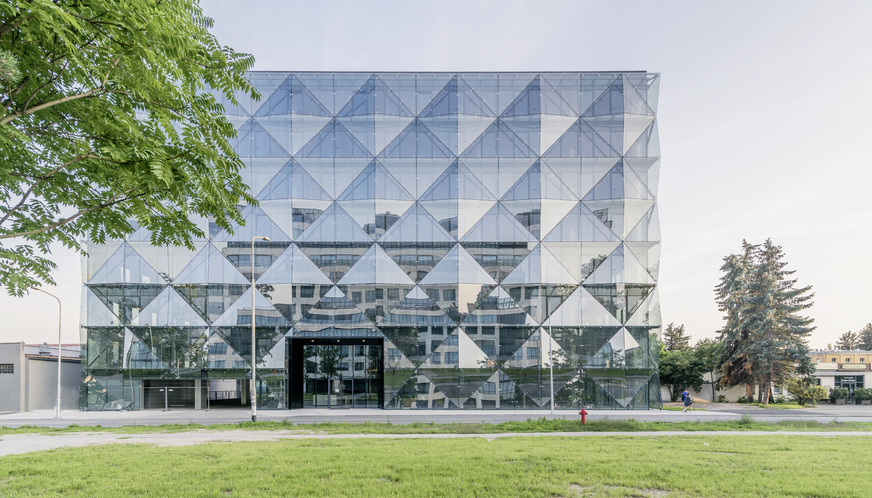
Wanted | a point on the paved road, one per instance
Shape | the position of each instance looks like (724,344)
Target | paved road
(14,444)
(45,418)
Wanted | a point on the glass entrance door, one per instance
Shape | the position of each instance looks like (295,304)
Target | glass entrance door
(335,373)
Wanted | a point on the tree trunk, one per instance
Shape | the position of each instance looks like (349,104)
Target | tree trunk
(749,392)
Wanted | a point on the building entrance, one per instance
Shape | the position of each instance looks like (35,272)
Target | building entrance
(335,373)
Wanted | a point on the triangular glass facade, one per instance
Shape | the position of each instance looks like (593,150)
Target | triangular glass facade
(480,227)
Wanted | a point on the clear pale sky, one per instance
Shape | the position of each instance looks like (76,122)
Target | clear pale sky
(765,118)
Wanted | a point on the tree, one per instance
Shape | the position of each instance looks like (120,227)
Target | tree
(764,334)
(865,340)
(805,391)
(709,353)
(674,338)
(849,340)
(108,122)
(680,370)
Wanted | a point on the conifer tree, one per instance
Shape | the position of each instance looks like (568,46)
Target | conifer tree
(865,341)
(764,334)
(849,340)
(674,338)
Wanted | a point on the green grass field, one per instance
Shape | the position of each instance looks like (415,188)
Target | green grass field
(533,425)
(692,465)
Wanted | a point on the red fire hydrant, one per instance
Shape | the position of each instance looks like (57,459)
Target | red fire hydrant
(583,413)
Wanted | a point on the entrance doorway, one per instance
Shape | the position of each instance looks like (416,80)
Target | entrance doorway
(336,373)
(168,394)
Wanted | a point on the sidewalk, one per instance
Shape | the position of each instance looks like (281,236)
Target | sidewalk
(45,418)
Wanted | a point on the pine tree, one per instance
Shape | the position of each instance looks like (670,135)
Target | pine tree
(865,341)
(849,340)
(674,338)
(764,335)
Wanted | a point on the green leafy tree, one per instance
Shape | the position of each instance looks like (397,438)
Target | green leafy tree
(680,370)
(709,353)
(805,391)
(674,338)
(865,340)
(849,340)
(109,121)
(765,334)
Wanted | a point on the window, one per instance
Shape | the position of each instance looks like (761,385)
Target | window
(358,366)
(862,360)
(218,348)
(394,353)
(307,291)
(834,360)
(451,340)
(239,364)
(436,358)
(847,360)
(817,360)
(489,388)
(451,357)
(393,294)
(532,353)
(7,368)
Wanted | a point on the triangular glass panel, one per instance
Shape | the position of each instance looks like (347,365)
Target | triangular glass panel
(620,268)
(293,182)
(334,140)
(510,85)
(647,314)
(376,267)
(128,267)
(552,128)
(609,128)
(334,225)
(138,355)
(647,145)
(427,87)
(97,313)
(457,182)
(376,301)
(210,300)
(569,172)
(498,225)
(418,310)
(334,310)
(293,266)
(210,266)
(239,338)
(170,259)
(239,313)
(498,140)
(292,97)
(168,309)
(581,225)
(126,301)
(374,97)
(610,102)
(623,388)
(266,82)
(416,225)
(647,169)
(222,356)
(540,266)
(401,387)
(97,255)
(560,93)
(345,86)
(634,102)
(634,127)
(497,308)
(258,224)
(580,140)
(416,140)
(375,182)
(254,141)
(484,86)
(457,266)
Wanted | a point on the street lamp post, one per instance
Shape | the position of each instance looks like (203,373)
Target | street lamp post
(252,385)
(58,408)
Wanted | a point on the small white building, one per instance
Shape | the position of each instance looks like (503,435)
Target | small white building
(28,376)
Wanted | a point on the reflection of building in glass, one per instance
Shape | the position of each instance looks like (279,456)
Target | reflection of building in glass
(437,240)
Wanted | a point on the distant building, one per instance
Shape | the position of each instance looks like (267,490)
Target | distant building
(843,368)
(28,376)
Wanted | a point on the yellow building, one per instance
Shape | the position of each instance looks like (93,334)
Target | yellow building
(843,368)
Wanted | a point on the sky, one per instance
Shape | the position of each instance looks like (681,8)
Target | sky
(765,120)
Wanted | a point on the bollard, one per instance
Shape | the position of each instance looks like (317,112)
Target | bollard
(583,413)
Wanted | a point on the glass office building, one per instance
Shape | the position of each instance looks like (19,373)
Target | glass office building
(435,240)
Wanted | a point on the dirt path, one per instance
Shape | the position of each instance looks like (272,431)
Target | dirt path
(14,444)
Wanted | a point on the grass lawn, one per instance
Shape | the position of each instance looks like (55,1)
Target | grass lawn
(533,425)
(562,466)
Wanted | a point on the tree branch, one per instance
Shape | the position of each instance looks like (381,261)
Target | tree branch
(111,202)
(42,179)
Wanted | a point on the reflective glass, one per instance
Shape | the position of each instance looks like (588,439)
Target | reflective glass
(408,208)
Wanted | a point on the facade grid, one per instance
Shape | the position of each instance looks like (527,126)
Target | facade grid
(457,234)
